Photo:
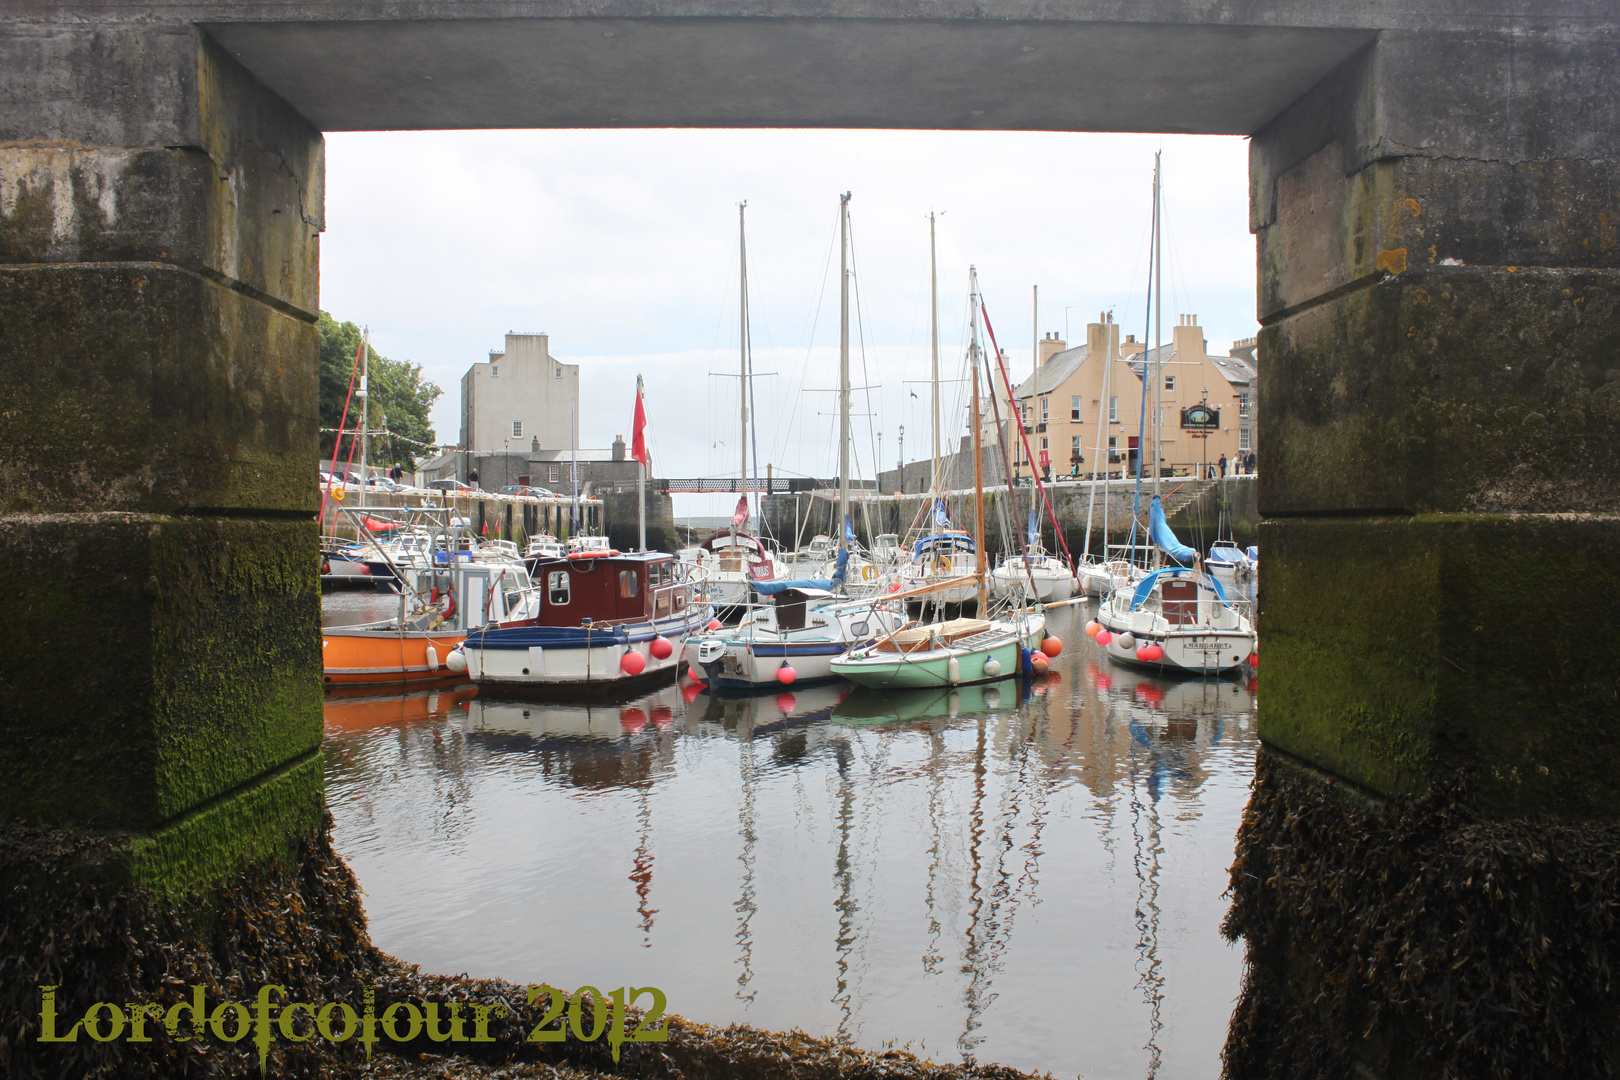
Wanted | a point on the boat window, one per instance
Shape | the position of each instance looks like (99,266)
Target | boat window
(511,601)
(861,629)
(627,583)
(557,587)
(680,601)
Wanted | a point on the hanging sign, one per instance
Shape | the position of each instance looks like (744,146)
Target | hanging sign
(1200,417)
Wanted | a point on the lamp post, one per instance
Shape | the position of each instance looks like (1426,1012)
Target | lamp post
(901,455)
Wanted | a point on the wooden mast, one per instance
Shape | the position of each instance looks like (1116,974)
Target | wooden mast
(978,456)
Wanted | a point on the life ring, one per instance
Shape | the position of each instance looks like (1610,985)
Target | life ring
(868,572)
(942,564)
(592,554)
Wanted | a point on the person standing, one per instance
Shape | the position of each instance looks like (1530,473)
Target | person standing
(1222,464)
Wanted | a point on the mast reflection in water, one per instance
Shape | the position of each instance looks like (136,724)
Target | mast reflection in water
(1036,882)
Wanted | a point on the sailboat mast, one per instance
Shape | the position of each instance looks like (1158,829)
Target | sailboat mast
(978,457)
(742,345)
(1158,314)
(933,294)
(365,410)
(843,369)
(641,485)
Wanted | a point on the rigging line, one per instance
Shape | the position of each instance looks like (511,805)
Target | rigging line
(1147,343)
(807,344)
(753,401)
(860,333)
(1040,487)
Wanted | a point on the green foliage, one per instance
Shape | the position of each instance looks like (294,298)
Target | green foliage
(398,393)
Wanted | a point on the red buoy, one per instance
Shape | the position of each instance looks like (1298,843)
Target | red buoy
(785,674)
(1254,660)
(714,624)
(632,663)
(1104,637)
(661,648)
(1039,663)
(1052,645)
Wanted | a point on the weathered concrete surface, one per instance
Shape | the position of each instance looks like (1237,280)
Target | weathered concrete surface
(159,215)
(1102,65)
(1438,284)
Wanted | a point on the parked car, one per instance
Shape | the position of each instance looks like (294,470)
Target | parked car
(382,483)
(527,491)
(450,485)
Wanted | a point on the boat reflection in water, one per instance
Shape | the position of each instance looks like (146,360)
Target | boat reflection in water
(1030,876)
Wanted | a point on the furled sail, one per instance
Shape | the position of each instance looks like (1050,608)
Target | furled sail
(1159,530)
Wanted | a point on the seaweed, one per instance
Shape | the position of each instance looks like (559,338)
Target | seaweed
(1415,937)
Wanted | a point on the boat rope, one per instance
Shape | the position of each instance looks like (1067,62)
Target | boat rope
(1040,487)
(337,443)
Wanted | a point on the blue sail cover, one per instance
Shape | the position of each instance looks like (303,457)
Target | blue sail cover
(1144,588)
(771,588)
(1159,532)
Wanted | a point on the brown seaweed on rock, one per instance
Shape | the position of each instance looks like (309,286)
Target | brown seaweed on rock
(1412,938)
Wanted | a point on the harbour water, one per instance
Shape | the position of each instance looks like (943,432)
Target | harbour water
(1025,876)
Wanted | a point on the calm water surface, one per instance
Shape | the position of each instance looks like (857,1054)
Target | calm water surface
(1033,878)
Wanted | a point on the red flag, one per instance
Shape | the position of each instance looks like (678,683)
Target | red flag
(638,437)
(741,516)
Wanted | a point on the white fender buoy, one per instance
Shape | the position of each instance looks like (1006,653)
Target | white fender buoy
(1127,641)
(992,668)
(953,671)
(456,661)
(432,657)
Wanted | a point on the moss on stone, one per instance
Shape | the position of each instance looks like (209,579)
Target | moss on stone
(150,664)
(1471,641)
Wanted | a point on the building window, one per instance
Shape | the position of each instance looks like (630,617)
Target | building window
(494,371)
(1113,414)
(557,372)
(517,429)
(1243,404)
(1169,382)
(1074,447)
(1112,442)
(1243,439)
(555,473)
(1044,403)
(557,588)
(1074,407)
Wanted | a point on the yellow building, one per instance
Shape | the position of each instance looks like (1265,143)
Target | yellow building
(1064,412)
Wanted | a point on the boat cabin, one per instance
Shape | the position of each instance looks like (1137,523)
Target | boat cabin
(945,543)
(740,553)
(611,588)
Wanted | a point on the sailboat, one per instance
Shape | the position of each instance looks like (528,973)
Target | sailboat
(807,624)
(955,651)
(734,558)
(1034,574)
(1177,617)
(942,553)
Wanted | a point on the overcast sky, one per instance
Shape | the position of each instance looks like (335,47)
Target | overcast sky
(622,245)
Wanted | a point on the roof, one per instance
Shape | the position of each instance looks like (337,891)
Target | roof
(1058,366)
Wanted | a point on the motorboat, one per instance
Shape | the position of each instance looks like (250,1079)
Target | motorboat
(544,546)
(793,638)
(596,622)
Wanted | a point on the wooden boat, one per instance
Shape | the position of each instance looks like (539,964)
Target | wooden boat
(951,653)
(594,623)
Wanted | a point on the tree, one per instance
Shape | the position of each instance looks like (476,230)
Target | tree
(400,398)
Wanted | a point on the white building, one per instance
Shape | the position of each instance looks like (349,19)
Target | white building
(519,396)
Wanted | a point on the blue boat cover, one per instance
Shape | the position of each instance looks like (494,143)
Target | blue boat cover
(1254,553)
(771,588)
(1145,586)
(1159,531)
(944,540)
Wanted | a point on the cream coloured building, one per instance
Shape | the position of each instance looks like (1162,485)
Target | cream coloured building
(1065,413)
(520,395)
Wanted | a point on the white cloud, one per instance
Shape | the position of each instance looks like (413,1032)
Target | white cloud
(623,246)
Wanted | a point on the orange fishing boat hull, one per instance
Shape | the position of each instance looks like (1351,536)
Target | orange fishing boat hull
(362,710)
(386,658)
